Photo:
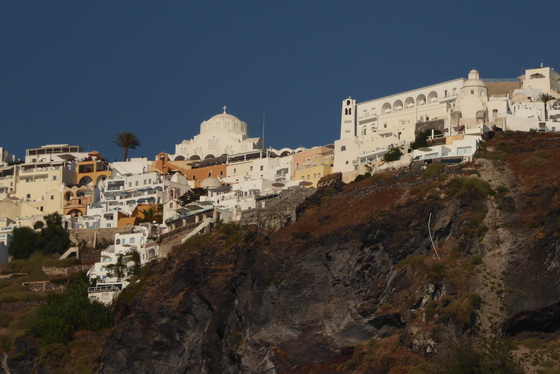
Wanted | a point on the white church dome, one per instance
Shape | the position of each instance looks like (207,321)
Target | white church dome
(210,182)
(224,122)
(474,80)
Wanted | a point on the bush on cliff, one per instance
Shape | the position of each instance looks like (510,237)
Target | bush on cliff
(52,238)
(421,139)
(460,354)
(24,243)
(393,154)
(72,311)
(470,189)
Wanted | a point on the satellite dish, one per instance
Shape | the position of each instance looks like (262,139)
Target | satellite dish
(305,184)
(278,185)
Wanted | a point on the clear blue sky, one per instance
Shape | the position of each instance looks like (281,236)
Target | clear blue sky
(79,72)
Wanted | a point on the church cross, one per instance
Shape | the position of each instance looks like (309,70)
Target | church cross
(225,107)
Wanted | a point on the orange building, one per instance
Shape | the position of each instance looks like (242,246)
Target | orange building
(165,166)
(194,170)
(76,199)
(92,170)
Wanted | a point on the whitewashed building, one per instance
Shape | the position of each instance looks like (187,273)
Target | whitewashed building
(115,269)
(222,134)
(469,106)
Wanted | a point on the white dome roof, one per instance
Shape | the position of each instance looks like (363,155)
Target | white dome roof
(210,182)
(224,122)
(474,80)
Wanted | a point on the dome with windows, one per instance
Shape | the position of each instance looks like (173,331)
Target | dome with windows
(474,80)
(224,122)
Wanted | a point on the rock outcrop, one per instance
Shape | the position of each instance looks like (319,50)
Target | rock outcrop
(358,264)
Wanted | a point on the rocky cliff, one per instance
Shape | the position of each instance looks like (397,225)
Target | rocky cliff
(366,279)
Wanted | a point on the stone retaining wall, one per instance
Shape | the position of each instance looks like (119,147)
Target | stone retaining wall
(45,287)
(105,236)
(57,271)
(279,211)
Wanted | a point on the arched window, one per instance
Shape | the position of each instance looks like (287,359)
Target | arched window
(343,148)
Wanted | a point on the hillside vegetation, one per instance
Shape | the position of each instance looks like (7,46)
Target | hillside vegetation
(443,269)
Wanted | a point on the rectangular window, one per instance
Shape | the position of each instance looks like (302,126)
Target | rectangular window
(262,167)
(54,177)
(463,150)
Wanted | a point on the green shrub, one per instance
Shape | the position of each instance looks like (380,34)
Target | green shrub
(72,311)
(503,147)
(534,161)
(475,225)
(130,291)
(415,261)
(501,190)
(475,260)
(25,242)
(534,343)
(359,178)
(197,240)
(433,171)
(52,239)
(392,154)
(462,354)
(470,189)
(421,139)
(437,271)
(494,155)
(54,354)
(542,153)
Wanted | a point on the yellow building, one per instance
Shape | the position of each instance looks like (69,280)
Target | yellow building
(313,164)
(310,156)
(40,184)
(313,171)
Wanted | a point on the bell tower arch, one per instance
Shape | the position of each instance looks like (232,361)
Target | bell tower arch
(348,119)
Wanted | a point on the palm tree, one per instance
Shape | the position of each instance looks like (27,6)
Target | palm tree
(545,98)
(127,140)
(117,270)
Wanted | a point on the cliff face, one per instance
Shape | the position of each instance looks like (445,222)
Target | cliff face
(358,265)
